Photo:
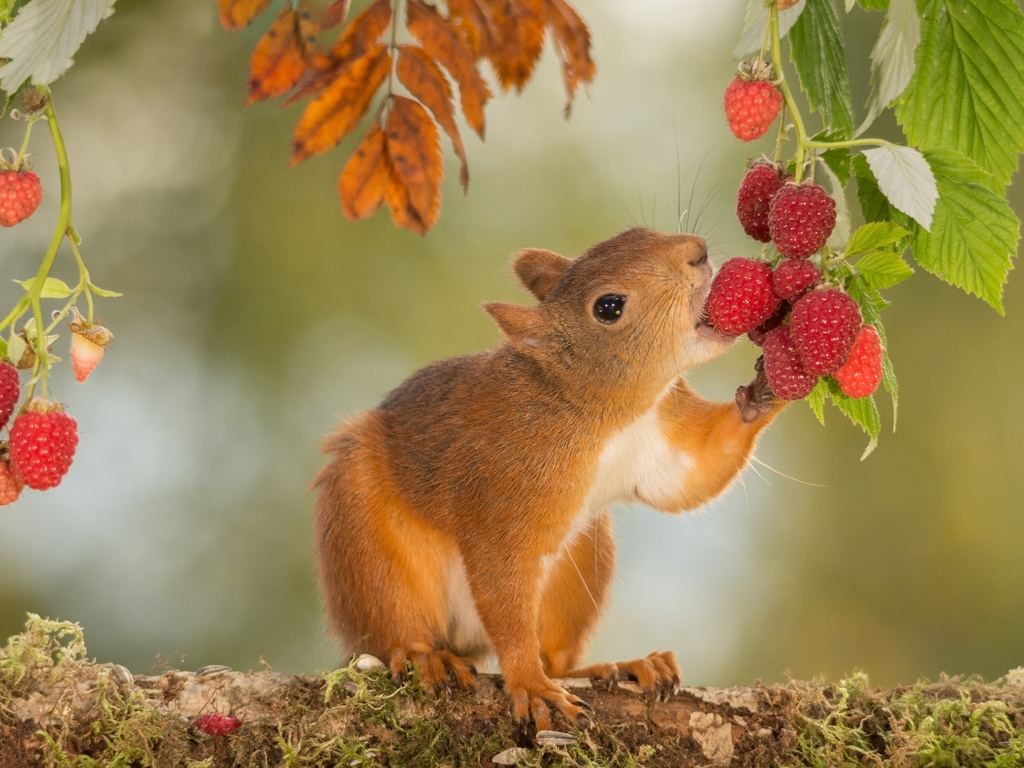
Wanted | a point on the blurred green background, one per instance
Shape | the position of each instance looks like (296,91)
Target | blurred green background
(254,317)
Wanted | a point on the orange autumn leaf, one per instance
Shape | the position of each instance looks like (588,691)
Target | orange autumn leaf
(413,192)
(572,42)
(365,176)
(335,13)
(238,14)
(353,43)
(442,42)
(338,110)
(282,56)
(530,26)
(466,16)
(427,82)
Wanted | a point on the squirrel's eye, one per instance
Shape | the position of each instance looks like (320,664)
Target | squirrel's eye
(608,308)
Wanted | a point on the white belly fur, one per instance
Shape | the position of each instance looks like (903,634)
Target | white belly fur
(637,464)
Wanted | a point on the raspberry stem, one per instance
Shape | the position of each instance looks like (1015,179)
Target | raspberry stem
(24,144)
(798,123)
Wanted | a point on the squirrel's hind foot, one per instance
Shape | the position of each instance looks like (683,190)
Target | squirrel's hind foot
(438,669)
(657,674)
(536,703)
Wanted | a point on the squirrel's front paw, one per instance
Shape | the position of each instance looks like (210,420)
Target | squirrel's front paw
(756,398)
(535,702)
(438,669)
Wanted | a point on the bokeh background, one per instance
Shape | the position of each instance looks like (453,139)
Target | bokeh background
(254,317)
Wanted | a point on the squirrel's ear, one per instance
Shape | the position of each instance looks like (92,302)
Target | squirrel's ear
(523,326)
(538,270)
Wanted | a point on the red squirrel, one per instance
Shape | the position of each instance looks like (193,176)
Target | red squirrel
(467,514)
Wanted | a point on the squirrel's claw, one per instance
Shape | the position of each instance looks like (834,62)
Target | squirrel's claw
(537,706)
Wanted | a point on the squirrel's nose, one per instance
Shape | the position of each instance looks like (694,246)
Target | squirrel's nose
(701,259)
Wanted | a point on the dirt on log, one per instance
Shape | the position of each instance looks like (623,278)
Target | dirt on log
(57,708)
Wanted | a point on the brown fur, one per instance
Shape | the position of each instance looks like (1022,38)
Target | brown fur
(486,461)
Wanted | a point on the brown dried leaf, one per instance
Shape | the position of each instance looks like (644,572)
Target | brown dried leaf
(427,82)
(338,110)
(238,14)
(363,32)
(572,41)
(413,193)
(442,42)
(336,13)
(365,176)
(283,54)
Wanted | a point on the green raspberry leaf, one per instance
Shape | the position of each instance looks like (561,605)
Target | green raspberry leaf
(967,92)
(817,400)
(903,175)
(42,41)
(892,58)
(816,48)
(862,411)
(883,269)
(52,288)
(974,234)
(869,5)
(757,21)
(875,236)
(873,203)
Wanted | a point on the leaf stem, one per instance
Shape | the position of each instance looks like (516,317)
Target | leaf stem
(851,143)
(798,123)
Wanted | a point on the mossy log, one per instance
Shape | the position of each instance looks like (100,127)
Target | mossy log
(57,708)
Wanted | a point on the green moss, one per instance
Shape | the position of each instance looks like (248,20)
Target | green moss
(950,724)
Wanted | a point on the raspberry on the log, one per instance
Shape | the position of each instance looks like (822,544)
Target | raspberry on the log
(801,219)
(751,107)
(863,371)
(793,278)
(215,724)
(741,296)
(754,199)
(824,325)
(788,377)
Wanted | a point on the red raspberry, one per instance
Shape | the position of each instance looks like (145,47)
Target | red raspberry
(801,219)
(755,198)
(793,278)
(10,391)
(751,107)
(10,485)
(862,372)
(214,724)
(20,195)
(824,325)
(787,376)
(741,296)
(43,442)
(757,334)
